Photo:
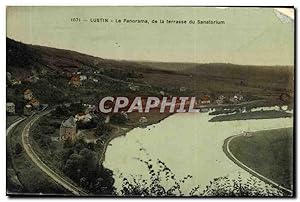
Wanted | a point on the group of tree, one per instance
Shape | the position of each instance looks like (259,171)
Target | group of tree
(81,164)
(160,174)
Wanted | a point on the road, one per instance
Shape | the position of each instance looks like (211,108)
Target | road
(39,163)
(251,171)
(13,125)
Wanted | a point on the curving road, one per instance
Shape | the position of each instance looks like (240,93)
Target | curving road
(39,163)
(251,171)
(13,125)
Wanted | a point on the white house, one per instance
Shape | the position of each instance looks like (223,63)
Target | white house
(182,89)
(134,87)
(222,97)
(83,117)
(10,107)
(83,77)
(143,120)
(205,100)
(236,98)
(28,94)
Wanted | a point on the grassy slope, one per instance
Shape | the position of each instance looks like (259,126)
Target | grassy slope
(270,153)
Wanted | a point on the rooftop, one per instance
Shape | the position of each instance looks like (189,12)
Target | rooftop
(69,123)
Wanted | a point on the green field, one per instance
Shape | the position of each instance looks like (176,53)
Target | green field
(269,153)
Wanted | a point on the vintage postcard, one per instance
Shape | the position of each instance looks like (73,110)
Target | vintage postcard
(150,101)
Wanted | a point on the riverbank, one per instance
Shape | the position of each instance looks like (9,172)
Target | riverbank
(121,130)
(271,114)
(178,139)
(265,154)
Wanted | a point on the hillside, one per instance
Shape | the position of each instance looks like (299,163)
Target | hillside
(26,58)
(55,67)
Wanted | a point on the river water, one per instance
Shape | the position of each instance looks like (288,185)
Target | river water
(187,143)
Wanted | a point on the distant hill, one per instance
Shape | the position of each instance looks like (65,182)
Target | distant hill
(260,81)
(24,58)
(220,69)
(242,76)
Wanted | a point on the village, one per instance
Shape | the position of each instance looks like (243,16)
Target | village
(69,127)
(69,132)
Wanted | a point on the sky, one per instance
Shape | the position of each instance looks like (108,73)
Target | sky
(250,36)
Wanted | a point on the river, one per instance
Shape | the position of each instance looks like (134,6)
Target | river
(187,143)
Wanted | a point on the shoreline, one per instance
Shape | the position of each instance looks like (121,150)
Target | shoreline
(228,153)
(124,133)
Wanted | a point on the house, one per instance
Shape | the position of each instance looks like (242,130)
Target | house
(68,130)
(222,97)
(28,94)
(27,110)
(239,97)
(182,89)
(82,77)
(10,108)
(133,87)
(89,108)
(204,100)
(35,103)
(15,82)
(83,117)
(233,100)
(75,81)
(236,98)
(220,100)
(143,120)
(95,80)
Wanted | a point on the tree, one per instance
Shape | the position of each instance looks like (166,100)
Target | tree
(61,111)
(18,149)
(118,118)
(73,167)
(102,129)
(218,187)
(76,107)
